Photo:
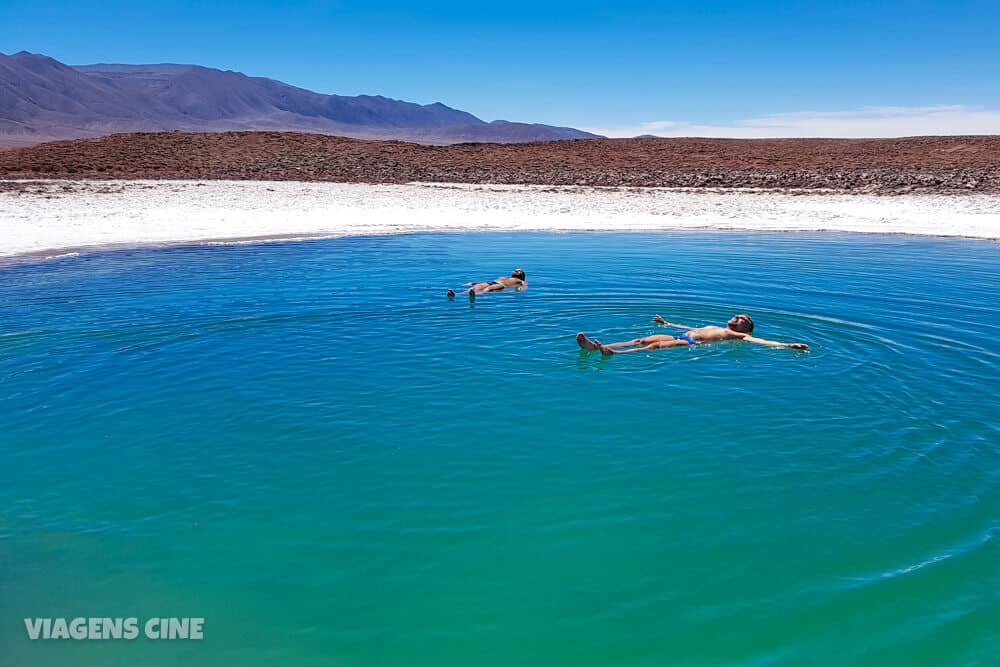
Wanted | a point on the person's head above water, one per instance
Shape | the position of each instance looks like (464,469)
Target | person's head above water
(741,323)
(518,273)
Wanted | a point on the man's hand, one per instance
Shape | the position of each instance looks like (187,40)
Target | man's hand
(774,343)
(659,319)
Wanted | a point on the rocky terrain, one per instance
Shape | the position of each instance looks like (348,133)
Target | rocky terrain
(887,166)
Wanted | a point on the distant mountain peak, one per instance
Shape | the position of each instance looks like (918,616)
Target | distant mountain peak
(52,100)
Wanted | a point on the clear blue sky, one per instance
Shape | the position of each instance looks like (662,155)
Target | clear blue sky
(585,64)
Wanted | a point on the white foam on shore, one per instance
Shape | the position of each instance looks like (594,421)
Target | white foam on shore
(62,215)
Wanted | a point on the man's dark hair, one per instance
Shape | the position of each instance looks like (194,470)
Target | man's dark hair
(747,322)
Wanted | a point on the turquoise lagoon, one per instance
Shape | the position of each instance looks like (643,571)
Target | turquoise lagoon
(307,445)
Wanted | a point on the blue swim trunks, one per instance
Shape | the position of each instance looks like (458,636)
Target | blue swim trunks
(688,339)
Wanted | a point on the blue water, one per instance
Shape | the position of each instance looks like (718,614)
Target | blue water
(310,447)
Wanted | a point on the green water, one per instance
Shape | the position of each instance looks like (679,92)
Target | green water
(307,445)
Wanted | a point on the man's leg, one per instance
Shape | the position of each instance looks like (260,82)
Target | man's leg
(658,345)
(479,288)
(648,340)
(588,344)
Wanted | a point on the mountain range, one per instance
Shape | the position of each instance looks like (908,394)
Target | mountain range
(42,99)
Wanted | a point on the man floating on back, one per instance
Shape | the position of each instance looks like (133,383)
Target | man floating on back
(739,327)
(517,280)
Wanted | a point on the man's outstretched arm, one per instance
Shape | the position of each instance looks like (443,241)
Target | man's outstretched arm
(659,320)
(774,343)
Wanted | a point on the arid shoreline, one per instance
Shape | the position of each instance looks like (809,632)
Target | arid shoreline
(931,165)
(43,220)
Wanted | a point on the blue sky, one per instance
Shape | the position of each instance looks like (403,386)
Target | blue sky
(705,67)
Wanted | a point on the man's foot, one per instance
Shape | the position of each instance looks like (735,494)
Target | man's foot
(586,343)
(472,295)
(451,294)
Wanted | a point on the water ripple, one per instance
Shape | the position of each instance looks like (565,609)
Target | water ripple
(315,429)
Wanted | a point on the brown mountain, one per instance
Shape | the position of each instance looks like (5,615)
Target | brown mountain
(42,99)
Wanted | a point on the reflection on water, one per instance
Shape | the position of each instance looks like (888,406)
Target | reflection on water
(309,446)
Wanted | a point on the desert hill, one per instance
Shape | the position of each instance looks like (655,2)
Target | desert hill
(923,164)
